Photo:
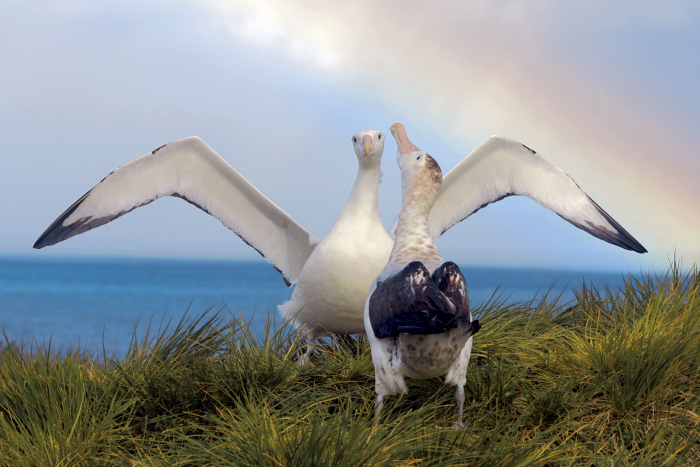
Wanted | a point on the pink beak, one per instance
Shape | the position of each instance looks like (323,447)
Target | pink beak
(366,142)
(405,145)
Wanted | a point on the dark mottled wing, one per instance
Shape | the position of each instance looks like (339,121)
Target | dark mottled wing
(501,167)
(191,170)
(451,282)
(410,302)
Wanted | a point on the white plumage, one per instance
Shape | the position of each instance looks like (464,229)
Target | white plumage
(330,293)
(188,168)
(332,275)
(501,167)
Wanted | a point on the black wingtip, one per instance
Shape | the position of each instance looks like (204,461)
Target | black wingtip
(54,233)
(623,239)
(620,237)
(57,231)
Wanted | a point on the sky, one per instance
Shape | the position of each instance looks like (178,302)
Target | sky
(606,91)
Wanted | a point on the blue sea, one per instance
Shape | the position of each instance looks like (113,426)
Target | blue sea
(96,303)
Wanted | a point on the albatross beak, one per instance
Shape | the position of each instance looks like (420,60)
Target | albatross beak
(366,142)
(399,134)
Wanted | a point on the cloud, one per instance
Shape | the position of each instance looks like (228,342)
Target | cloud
(468,70)
(567,79)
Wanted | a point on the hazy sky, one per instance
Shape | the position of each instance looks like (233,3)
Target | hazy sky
(607,91)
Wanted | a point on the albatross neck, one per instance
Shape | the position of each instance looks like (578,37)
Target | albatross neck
(364,197)
(413,241)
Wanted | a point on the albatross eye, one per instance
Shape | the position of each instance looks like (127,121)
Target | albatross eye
(354,139)
(418,158)
(380,136)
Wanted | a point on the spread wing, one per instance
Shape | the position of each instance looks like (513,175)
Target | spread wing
(191,170)
(502,167)
(410,302)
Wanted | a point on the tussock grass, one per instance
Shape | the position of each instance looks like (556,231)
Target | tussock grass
(611,378)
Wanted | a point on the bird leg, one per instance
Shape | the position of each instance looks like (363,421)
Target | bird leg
(306,357)
(459,424)
(378,405)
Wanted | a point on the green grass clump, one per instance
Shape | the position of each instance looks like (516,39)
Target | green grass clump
(611,378)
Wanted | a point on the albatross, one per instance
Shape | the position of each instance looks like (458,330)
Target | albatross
(330,289)
(332,275)
(417,315)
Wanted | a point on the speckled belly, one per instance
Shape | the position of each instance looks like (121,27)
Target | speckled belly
(429,356)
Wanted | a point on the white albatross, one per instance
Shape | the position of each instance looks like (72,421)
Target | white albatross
(331,289)
(332,276)
(191,170)
(417,315)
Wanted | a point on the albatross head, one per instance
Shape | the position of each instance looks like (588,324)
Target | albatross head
(420,173)
(368,146)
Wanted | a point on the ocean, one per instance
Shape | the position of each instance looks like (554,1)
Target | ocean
(100,302)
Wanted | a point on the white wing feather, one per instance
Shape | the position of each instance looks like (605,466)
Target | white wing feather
(190,169)
(502,167)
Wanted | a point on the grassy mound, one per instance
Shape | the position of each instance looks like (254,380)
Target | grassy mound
(609,379)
